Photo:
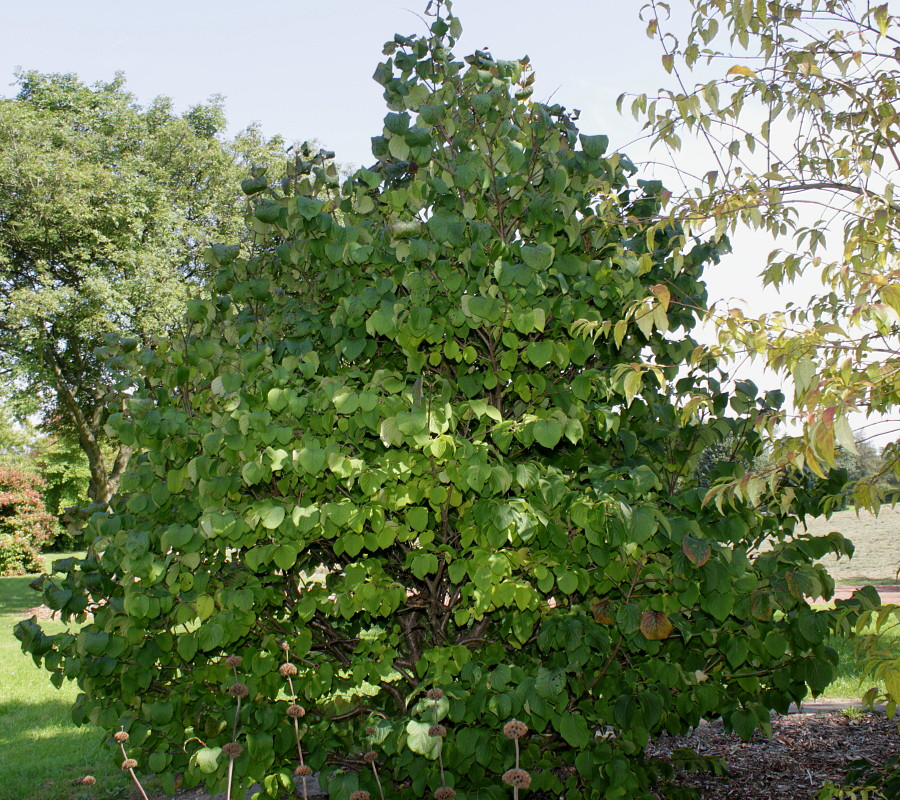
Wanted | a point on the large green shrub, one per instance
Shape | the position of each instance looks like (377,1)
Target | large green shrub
(406,441)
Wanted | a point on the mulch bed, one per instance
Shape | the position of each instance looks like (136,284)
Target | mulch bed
(805,751)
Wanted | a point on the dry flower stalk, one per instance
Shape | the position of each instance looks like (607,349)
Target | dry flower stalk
(128,764)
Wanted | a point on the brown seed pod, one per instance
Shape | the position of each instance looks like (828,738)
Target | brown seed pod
(515,729)
(437,731)
(371,757)
(295,711)
(232,750)
(238,690)
(234,661)
(287,669)
(444,793)
(435,694)
(120,736)
(370,731)
(128,763)
(361,794)
(517,778)
(303,771)
(285,646)
(87,780)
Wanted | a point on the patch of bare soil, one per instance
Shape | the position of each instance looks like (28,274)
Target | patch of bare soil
(805,751)
(41,612)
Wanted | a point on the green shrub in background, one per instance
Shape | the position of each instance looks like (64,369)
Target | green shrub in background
(401,482)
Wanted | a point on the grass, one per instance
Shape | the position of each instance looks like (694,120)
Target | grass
(44,753)
(851,683)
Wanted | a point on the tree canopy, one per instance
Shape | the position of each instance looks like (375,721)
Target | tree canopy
(400,481)
(105,209)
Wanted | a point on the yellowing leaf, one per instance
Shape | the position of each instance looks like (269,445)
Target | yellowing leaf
(662,293)
(844,435)
(737,69)
(655,625)
(644,320)
(632,386)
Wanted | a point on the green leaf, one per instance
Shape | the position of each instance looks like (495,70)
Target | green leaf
(643,523)
(210,636)
(412,422)
(574,729)
(417,518)
(271,515)
(207,759)
(312,459)
(540,353)
(594,146)
(539,257)
(419,741)
(547,432)
(549,684)
(308,207)
(743,722)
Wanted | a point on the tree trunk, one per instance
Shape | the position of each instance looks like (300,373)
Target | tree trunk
(104,480)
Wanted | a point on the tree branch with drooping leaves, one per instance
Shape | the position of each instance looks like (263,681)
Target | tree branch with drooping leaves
(795,105)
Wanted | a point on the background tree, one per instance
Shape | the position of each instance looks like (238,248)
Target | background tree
(398,482)
(105,209)
(797,109)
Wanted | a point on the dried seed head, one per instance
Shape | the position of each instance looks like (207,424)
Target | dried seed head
(444,793)
(361,794)
(234,661)
(370,731)
(287,669)
(517,778)
(87,780)
(128,763)
(303,771)
(435,694)
(295,711)
(238,690)
(232,750)
(120,736)
(371,757)
(437,731)
(285,646)
(515,729)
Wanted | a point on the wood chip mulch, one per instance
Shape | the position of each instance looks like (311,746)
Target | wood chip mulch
(805,751)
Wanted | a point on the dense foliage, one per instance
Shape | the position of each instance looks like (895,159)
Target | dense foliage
(26,527)
(105,208)
(403,450)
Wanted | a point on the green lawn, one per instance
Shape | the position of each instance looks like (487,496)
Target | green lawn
(43,752)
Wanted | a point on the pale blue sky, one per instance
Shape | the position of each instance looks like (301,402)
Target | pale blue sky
(303,68)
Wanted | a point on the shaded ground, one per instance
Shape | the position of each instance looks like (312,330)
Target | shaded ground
(805,751)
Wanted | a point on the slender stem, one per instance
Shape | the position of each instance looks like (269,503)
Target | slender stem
(297,731)
(230,772)
(133,776)
(378,780)
(516,788)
